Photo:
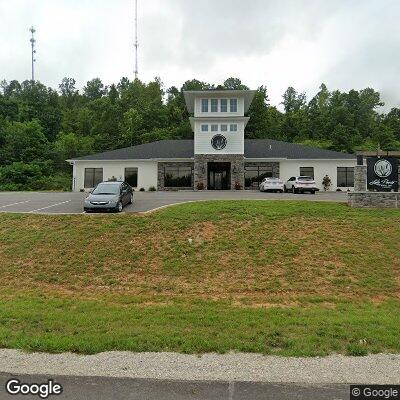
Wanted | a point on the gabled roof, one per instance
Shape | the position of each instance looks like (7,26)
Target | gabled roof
(184,149)
(190,95)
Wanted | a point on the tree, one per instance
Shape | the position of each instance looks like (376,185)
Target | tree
(234,84)
(131,127)
(94,89)
(24,142)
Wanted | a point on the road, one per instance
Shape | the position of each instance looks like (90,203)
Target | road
(102,388)
(72,203)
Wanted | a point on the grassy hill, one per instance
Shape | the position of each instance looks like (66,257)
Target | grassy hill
(289,278)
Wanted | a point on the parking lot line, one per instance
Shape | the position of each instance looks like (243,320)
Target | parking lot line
(14,204)
(53,205)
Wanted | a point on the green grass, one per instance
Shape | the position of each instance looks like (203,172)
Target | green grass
(285,278)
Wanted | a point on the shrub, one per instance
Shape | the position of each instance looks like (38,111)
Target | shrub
(141,190)
(200,186)
(152,189)
(326,182)
(238,186)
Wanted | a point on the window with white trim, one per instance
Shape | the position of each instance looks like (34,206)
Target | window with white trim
(224,128)
(233,127)
(204,128)
(214,105)
(214,127)
(233,105)
(204,105)
(224,105)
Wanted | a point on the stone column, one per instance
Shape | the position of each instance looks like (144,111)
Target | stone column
(360,178)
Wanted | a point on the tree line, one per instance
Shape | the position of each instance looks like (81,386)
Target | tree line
(41,127)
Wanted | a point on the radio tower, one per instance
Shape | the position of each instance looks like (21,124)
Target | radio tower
(33,41)
(136,43)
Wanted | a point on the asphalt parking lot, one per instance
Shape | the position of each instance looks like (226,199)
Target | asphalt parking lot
(72,203)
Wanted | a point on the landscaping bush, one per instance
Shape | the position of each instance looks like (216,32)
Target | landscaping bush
(152,189)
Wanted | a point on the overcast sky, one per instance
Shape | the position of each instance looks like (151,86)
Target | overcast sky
(345,44)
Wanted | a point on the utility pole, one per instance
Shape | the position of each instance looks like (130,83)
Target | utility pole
(136,43)
(33,41)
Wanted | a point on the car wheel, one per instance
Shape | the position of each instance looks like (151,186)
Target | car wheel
(119,207)
(293,190)
(284,189)
(312,191)
(130,199)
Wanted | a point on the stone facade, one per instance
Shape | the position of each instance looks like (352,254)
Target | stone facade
(374,199)
(200,168)
(160,174)
(360,178)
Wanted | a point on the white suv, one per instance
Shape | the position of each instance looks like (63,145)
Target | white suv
(301,184)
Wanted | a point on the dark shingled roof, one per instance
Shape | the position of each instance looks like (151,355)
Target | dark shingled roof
(253,148)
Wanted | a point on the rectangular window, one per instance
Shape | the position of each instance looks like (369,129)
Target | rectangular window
(233,127)
(345,176)
(224,105)
(254,175)
(233,105)
(131,176)
(214,105)
(178,177)
(93,176)
(307,171)
(204,105)
(224,128)
(214,128)
(204,128)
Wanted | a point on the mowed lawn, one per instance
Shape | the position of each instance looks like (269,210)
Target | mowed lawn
(275,277)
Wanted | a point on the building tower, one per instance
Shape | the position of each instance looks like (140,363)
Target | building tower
(218,124)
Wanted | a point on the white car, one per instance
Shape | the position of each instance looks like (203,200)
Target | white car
(272,185)
(301,184)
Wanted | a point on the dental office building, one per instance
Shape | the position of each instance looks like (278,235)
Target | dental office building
(219,157)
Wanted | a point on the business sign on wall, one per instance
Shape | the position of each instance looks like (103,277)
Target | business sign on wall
(383,174)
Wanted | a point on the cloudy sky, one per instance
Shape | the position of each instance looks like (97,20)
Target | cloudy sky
(343,43)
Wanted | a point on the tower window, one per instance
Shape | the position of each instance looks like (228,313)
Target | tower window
(204,105)
(224,127)
(233,127)
(224,105)
(214,105)
(233,105)
(204,128)
(214,128)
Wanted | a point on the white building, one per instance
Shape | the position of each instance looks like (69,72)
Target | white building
(218,158)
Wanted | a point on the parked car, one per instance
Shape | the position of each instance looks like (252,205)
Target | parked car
(272,185)
(301,184)
(109,196)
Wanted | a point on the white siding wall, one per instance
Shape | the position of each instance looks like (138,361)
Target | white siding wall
(198,113)
(147,171)
(202,140)
(289,168)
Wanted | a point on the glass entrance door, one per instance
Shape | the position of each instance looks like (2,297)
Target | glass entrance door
(219,176)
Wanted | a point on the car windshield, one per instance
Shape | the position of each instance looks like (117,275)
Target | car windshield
(107,188)
(305,178)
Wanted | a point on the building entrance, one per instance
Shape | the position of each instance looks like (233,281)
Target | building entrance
(219,176)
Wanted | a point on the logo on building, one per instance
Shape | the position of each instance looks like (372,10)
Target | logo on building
(383,168)
(218,142)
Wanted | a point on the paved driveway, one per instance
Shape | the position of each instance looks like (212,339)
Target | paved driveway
(72,203)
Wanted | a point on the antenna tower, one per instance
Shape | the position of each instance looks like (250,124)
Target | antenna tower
(33,41)
(136,42)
